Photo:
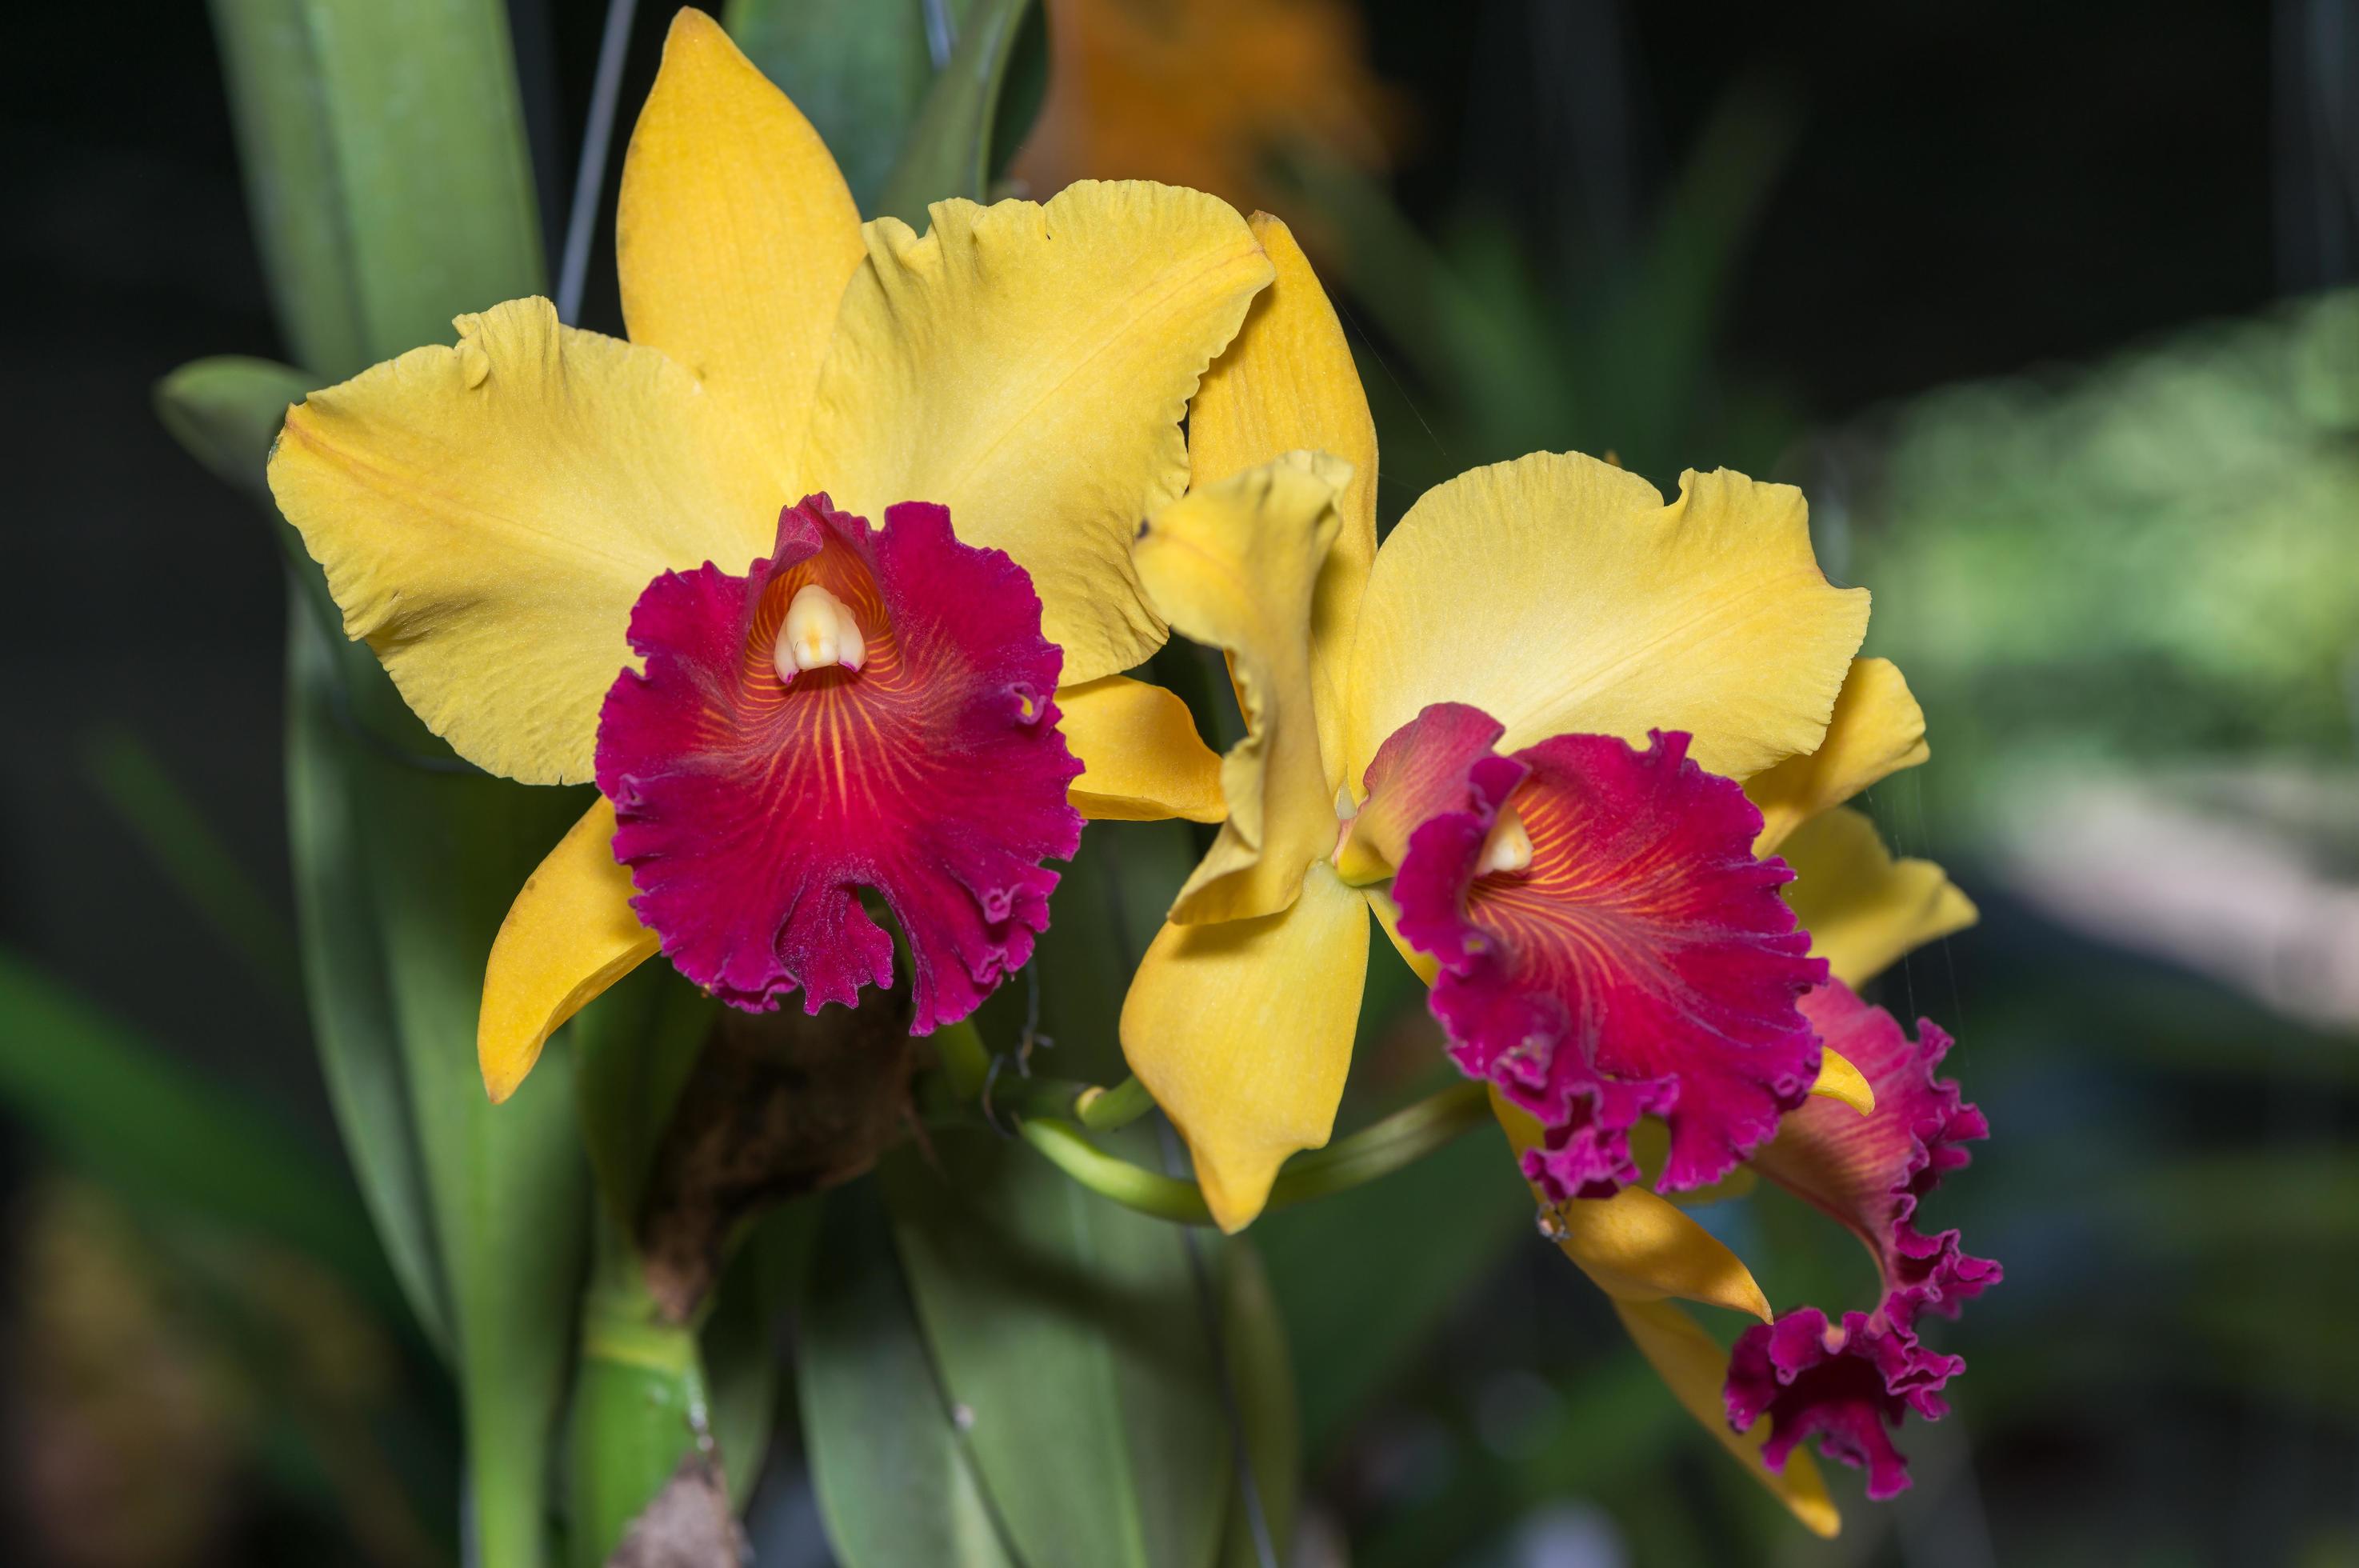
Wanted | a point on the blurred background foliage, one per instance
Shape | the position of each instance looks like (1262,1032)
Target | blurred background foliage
(2050,313)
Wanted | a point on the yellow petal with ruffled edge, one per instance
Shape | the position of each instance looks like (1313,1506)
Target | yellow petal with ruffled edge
(488,514)
(569,935)
(1288,383)
(1863,908)
(1635,1245)
(735,235)
(1559,594)
(1243,1033)
(1877,730)
(1695,1368)
(1141,758)
(1027,367)
(1236,565)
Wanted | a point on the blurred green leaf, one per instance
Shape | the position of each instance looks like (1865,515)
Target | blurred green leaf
(895,1482)
(200,867)
(386,166)
(1075,1333)
(130,1116)
(743,1357)
(359,1045)
(1253,1332)
(948,151)
(390,182)
(226,412)
(1355,1314)
(859,70)
(404,863)
(635,1049)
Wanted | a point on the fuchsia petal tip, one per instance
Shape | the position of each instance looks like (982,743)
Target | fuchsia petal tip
(753,810)
(1848,1384)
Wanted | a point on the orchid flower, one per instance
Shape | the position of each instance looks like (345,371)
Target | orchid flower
(1441,732)
(859,501)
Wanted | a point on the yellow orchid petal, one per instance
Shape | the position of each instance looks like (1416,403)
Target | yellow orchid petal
(1559,594)
(1387,913)
(1877,730)
(569,934)
(1637,1245)
(1863,908)
(1838,1080)
(1027,367)
(1288,383)
(1243,1033)
(734,234)
(1236,565)
(488,514)
(1141,756)
(1695,1368)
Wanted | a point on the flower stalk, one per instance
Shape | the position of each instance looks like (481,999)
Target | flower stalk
(1400,1140)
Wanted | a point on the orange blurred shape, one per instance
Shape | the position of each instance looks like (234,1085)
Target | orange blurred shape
(1198,92)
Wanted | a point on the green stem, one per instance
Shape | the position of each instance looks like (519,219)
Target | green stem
(639,1403)
(1398,1140)
(1102,1110)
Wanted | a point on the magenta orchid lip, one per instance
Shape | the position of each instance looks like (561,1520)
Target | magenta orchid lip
(866,709)
(1609,948)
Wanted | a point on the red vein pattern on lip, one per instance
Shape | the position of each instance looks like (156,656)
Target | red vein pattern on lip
(1644,962)
(1847,1384)
(751,810)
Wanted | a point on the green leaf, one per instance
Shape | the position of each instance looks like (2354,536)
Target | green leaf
(1253,1332)
(948,152)
(226,412)
(352,1016)
(385,165)
(635,1049)
(405,862)
(1354,1315)
(200,867)
(1075,1333)
(120,1109)
(895,1482)
(858,69)
(742,1355)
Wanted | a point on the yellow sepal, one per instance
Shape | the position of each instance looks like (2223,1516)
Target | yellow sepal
(1877,730)
(735,235)
(1636,1245)
(569,935)
(1143,760)
(1863,908)
(1695,1368)
(1243,1033)
(1288,383)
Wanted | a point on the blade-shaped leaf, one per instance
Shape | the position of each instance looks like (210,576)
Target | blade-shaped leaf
(1353,1312)
(743,1355)
(385,165)
(948,151)
(123,1110)
(1075,1333)
(858,69)
(404,865)
(1252,1334)
(895,1482)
